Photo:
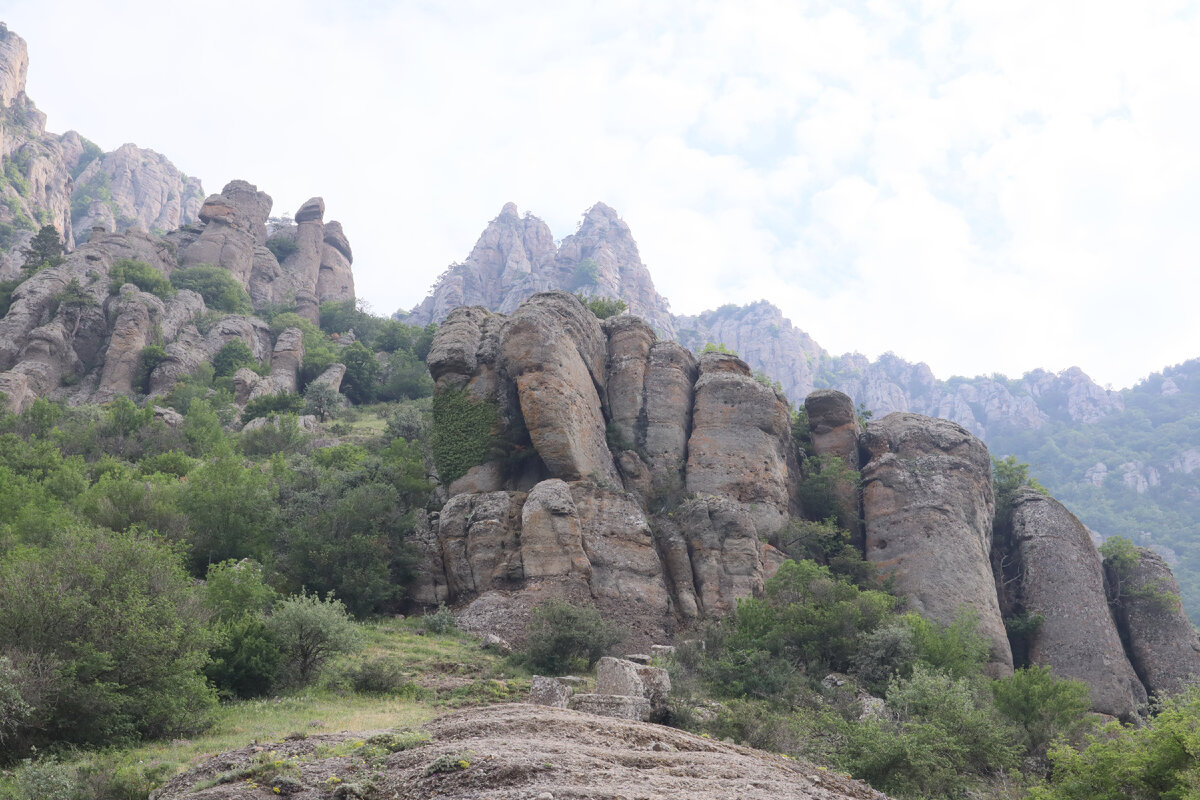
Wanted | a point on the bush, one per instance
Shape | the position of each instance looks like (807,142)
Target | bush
(282,247)
(218,287)
(44,779)
(267,404)
(281,434)
(561,637)
(378,676)
(148,360)
(604,307)
(1043,707)
(321,400)
(311,630)
(141,275)
(440,621)
(233,589)
(247,657)
(232,356)
(113,621)
(172,462)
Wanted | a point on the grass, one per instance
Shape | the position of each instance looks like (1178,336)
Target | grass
(450,669)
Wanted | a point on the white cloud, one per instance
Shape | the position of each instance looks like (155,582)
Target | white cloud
(986,187)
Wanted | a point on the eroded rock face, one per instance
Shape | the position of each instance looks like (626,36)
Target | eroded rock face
(1162,641)
(740,446)
(235,224)
(555,351)
(725,551)
(144,190)
(834,430)
(928,507)
(1060,578)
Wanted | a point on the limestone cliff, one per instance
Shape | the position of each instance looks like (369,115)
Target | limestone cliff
(132,187)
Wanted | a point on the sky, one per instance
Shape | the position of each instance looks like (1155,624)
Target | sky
(985,187)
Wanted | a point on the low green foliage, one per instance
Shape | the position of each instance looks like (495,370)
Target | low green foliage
(1044,708)
(604,307)
(1157,761)
(585,273)
(268,404)
(282,246)
(561,637)
(148,360)
(141,275)
(712,347)
(464,432)
(218,287)
(450,762)
(232,356)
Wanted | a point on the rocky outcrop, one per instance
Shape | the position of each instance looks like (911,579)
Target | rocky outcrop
(1057,576)
(335,282)
(528,751)
(134,188)
(515,258)
(740,446)
(555,351)
(928,507)
(833,431)
(234,224)
(1162,642)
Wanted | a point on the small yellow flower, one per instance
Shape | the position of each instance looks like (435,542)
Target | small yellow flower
(275,789)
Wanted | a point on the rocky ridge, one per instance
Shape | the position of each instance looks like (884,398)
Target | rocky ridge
(626,473)
(68,182)
(91,352)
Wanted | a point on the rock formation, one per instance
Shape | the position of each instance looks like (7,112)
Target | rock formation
(1162,642)
(574,393)
(1056,574)
(515,258)
(133,188)
(527,751)
(928,507)
(834,430)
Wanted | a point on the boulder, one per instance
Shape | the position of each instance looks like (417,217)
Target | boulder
(551,533)
(612,705)
(545,691)
(741,441)
(479,539)
(286,359)
(1162,641)
(136,314)
(1060,579)
(619,676)
(928,507)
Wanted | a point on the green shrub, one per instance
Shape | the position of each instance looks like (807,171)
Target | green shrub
(362,370)
(171,462)
(604,307)
(440,621)
(464,432)
(233,589)
(148,360)
(232,356)
(1043,707)
(561,637)
(321,400)
(380,675)
(141,275)
(585,273)
(282,247)
(113,619)
(958,649)
(280,434)
(311,630)
(216,285)
(247,657)
(268,404)
(44,779)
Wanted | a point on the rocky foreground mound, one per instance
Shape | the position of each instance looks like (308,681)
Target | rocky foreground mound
(521,751)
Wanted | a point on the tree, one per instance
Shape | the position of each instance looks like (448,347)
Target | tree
(45,250)
(561,637)
(72,301)
(109,625)
(232,356)
(362,370)
(321,400)
(310,630)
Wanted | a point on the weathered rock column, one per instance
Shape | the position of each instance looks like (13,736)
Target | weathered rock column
(1060,579)
(928,506)
(1162,641)
(834,427)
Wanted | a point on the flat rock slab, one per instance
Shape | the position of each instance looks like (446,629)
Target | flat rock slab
(521,751)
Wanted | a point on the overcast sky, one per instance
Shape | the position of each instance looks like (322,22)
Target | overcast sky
(983,186)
